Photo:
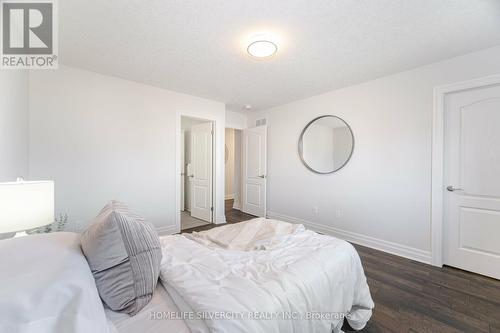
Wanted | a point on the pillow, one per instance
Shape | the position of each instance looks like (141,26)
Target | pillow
(124,254)
(46,286)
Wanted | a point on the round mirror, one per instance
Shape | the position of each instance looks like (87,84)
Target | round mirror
(326,144)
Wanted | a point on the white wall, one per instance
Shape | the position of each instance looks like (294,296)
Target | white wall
(103,138)
(237,120)
(229,164)
(382,197)
(13,124)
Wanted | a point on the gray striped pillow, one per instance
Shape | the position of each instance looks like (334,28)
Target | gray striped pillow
(124,254)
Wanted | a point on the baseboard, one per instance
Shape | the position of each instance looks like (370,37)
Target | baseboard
(236,205)
(220,220)
(168,230)
(360,239)
(229,197)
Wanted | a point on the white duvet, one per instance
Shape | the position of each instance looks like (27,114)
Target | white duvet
(46,286)
(266,276)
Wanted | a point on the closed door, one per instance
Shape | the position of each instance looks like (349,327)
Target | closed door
(472,180)
(254,160)
(201,168)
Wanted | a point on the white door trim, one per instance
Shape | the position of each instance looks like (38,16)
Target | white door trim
(215,161)
(437,188)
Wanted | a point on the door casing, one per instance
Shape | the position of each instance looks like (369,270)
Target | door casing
(218,164)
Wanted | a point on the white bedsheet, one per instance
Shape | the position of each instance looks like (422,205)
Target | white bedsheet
(298,275)
(154,318)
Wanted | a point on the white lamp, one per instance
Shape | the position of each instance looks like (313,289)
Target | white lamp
(26,205)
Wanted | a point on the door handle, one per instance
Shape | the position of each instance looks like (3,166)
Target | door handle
(453,189)
(191,176)
(262,176)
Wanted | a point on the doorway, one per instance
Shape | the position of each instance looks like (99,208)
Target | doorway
(197,180)
(232,168)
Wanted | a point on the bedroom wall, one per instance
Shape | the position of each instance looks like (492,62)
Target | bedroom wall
(382,198)
(103,138)
(13,124)
(235,119)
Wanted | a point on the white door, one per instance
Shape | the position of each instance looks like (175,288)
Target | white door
(472,179)
(254,162)
(201,168)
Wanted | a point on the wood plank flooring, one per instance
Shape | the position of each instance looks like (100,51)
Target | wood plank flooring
(413,297)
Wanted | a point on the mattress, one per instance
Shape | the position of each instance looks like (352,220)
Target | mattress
(195,325)
(157,317)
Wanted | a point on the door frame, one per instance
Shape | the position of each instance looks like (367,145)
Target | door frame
(215,162)
(437,173)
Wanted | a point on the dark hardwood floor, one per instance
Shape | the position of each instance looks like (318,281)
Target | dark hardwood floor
(413,297)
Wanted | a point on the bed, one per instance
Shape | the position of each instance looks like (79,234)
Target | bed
(265,276)
(255,276)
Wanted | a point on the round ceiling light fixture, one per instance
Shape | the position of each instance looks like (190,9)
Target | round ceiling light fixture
(262,49)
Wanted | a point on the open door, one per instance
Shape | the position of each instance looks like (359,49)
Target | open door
(201,160)
(254,162)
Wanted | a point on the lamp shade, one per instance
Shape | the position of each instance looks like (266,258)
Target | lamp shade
(26,205)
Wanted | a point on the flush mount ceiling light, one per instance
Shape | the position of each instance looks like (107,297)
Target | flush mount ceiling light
(262,49)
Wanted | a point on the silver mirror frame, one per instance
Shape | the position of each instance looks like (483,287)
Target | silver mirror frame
(301,152)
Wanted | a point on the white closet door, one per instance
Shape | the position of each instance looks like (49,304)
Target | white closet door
(472,178)
(201,165)
(254,160)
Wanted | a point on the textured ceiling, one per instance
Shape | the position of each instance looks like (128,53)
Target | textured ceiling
(198,47)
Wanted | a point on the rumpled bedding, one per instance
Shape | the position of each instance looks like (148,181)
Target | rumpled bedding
(267,276)
(256,234)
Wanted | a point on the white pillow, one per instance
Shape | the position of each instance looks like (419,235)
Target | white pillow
(46,286)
